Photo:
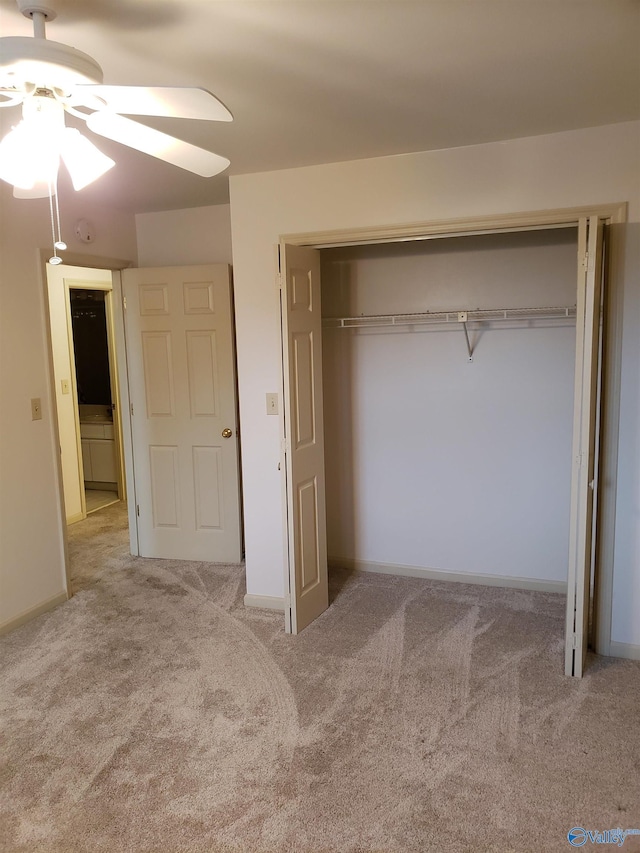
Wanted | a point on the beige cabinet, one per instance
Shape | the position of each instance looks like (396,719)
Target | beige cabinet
(98,453)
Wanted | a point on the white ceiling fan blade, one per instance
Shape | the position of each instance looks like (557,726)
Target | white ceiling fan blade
(158,144)
(10,97)
(170,101)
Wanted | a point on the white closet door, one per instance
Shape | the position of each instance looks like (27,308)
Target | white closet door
(583,480)
(304,438)
(182,389)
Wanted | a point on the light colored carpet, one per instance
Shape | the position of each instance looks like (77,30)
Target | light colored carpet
(153,712)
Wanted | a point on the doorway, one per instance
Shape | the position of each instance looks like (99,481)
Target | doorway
(94,363)
(304,488)
(82,333)
(187,362)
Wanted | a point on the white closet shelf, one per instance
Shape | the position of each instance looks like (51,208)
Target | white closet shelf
(486,315)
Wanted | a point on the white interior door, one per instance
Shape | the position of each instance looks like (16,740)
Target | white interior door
(583,481)
(304,437)
(182,387)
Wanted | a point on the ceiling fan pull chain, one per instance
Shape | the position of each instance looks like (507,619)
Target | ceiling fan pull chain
(59,243)
(55,258)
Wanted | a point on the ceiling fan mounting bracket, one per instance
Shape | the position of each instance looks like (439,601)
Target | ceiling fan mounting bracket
(28,8)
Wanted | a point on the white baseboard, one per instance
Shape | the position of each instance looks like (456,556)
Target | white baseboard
(443,575)
(624,650)
(32,612)
(267,602)
(78,516)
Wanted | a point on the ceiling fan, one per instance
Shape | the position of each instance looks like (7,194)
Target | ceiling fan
(50,79)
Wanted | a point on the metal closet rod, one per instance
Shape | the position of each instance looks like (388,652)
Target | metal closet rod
(493,314)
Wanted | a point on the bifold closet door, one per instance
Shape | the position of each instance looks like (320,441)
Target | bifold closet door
(584,475)
(308,594)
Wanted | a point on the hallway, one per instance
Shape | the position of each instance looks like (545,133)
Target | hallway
(98,545)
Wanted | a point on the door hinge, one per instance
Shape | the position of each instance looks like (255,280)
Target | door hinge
(124,302)
(574,641)
(138,510)
(131,407)
(279,281)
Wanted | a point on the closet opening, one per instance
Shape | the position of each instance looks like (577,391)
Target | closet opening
(460,439)
(448,441)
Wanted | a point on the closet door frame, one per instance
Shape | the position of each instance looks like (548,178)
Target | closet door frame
(611,215)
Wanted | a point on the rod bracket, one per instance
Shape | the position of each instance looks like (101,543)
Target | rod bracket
(462,318)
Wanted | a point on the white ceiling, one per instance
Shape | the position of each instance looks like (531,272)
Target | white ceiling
(317,81)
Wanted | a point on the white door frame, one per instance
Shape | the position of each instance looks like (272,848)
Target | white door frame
(614,214)
(585,478)
(107,289)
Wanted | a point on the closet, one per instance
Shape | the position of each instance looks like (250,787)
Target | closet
(448,383)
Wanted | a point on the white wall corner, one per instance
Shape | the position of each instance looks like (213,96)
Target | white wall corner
(624,650)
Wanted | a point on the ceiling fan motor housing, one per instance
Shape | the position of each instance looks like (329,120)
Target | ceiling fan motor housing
(41,62)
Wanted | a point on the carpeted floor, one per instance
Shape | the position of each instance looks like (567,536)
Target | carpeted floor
(153,712)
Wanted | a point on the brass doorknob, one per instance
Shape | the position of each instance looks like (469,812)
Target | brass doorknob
(226,433)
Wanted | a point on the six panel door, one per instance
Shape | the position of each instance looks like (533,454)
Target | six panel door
(181,366)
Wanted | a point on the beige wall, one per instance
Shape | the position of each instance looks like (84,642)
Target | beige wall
(585,167)
(31,514)
(200,235)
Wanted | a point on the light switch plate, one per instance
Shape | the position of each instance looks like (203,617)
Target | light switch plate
(36,409)
(272,404)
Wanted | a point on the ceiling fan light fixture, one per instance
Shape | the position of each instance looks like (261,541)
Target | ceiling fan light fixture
(51,78)
(84,161)
(29,153)
(15,168)
(39,190)
(27,158)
